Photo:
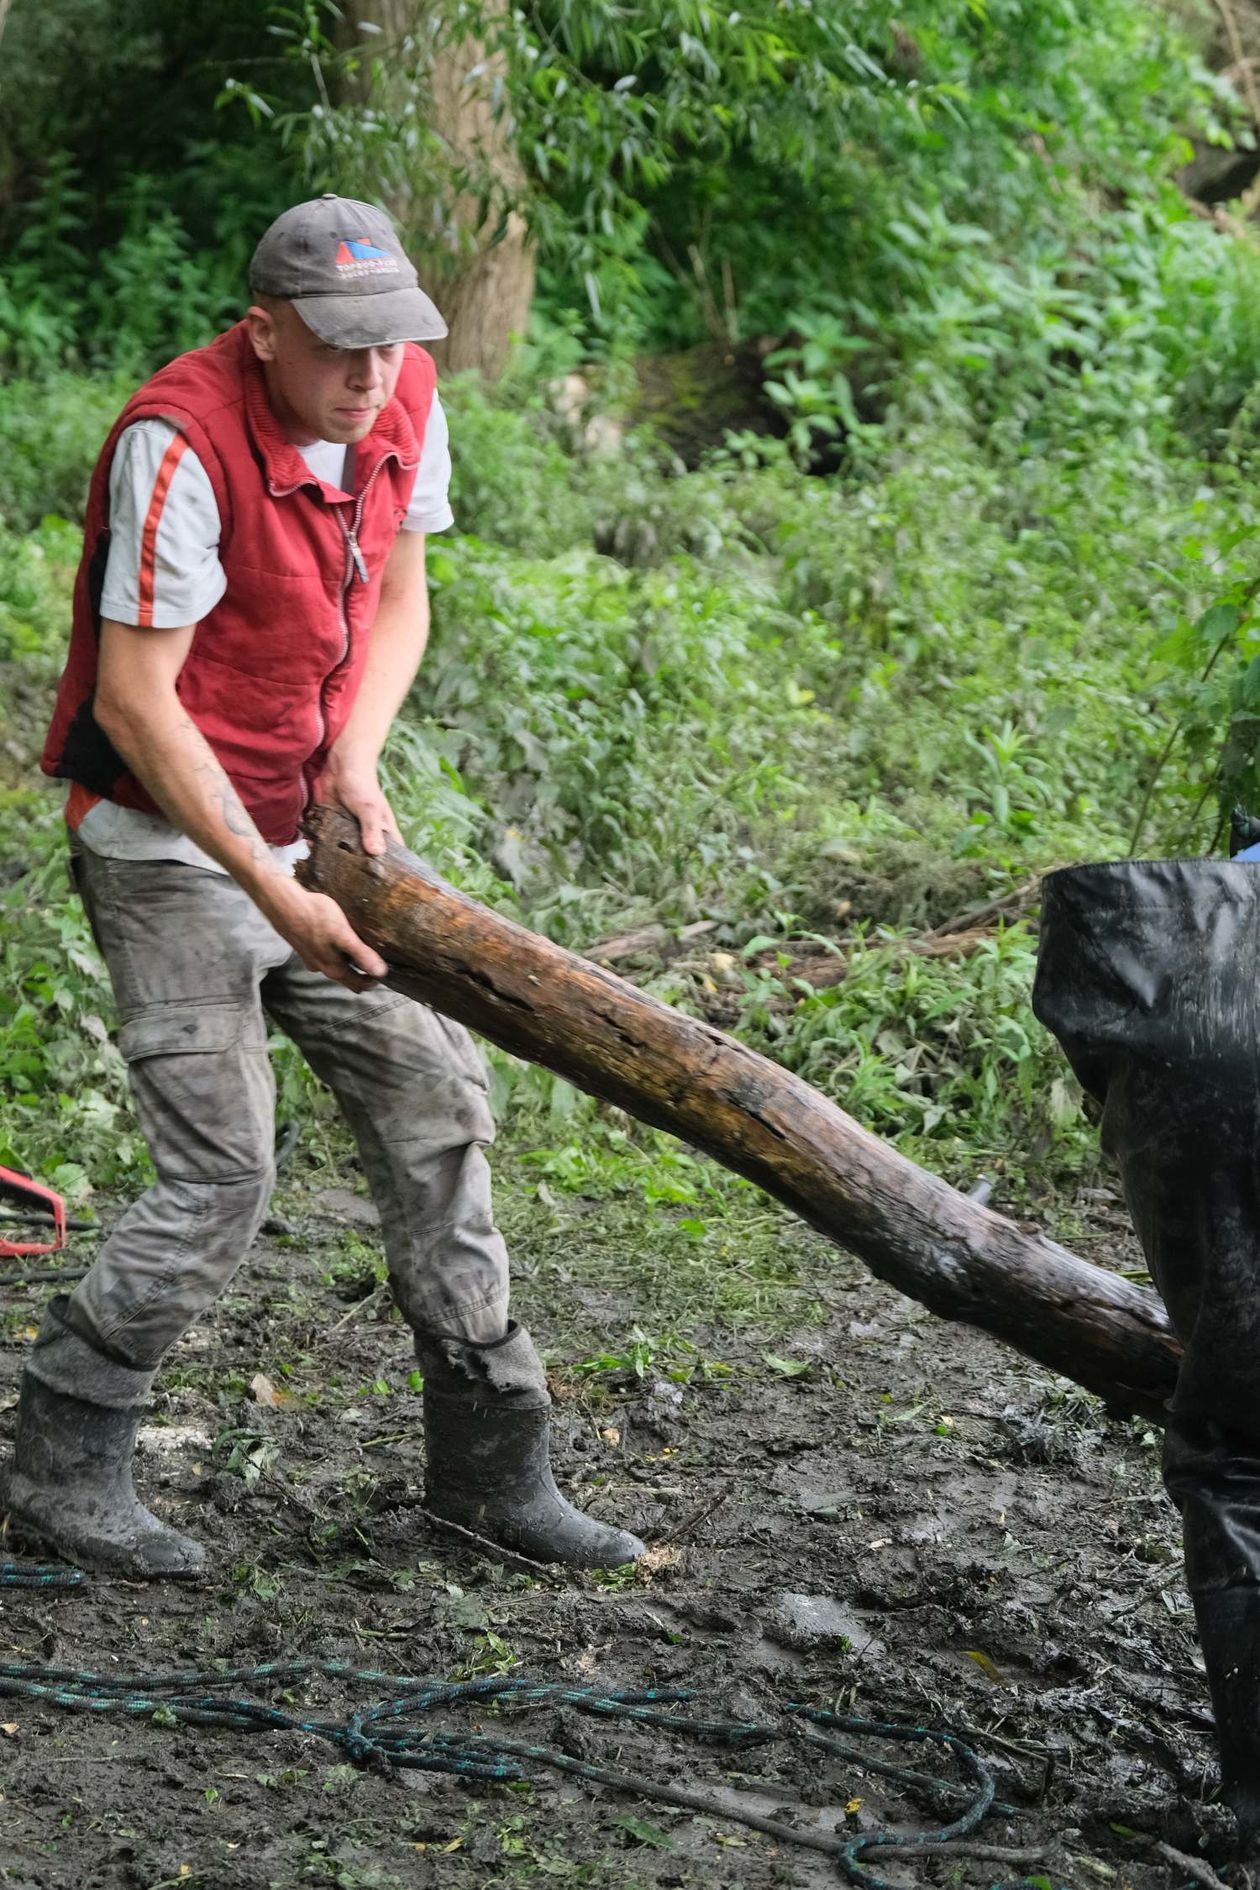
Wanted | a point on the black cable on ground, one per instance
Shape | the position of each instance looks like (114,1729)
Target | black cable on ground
(40,1575)
(961,1827)
(39,1276)
(393,1732)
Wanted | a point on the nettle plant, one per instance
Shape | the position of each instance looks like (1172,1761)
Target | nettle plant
(1213,689)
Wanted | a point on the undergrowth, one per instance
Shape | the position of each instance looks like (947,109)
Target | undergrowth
(802,714)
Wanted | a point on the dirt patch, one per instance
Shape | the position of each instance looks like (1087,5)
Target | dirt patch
(872,1511)
(696,397)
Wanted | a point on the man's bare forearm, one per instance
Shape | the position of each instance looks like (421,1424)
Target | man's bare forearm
(138,708)
(169,756)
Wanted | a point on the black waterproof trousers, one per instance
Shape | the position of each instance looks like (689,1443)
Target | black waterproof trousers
(1149,976)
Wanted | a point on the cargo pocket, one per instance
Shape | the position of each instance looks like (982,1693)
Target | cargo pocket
(203,1087)
(161,1030)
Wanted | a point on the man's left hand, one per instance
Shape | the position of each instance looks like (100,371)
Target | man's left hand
(357,790)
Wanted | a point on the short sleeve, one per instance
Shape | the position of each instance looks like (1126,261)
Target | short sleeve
(163,569)
(430,508)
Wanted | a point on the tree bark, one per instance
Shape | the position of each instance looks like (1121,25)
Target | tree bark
(912,1229)
(474,256)
(486,294)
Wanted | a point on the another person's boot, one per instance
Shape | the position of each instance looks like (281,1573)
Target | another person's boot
(487,1425)
(69,1483)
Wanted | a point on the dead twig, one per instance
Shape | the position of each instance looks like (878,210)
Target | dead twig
(1238,53)
(940,1791)
(1165,1577)
(1242,66)
(649,940)
(688,1523)
(359,1306)
(976,916)
(1195,1867)
(484,1546)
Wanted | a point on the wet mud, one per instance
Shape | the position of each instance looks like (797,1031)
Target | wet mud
(875,1513)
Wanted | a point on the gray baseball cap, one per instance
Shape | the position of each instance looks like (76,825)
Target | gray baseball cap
(343,268)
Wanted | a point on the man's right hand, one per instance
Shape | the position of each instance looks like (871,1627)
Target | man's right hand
(321,934)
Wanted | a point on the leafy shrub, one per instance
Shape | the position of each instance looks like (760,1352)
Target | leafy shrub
(513,483)
(51,432)
(808,705)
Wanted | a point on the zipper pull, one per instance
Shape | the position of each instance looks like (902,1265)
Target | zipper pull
(357,555)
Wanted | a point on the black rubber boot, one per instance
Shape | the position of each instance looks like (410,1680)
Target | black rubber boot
(487,1427)
(69,1483)
(1229,1634)
(1214,1477)
(1149,975)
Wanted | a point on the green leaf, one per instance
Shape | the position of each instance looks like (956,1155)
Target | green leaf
(646,1833)
(1218,622)
(787,1367)
(465,1611)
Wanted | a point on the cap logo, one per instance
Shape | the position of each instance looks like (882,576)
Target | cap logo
(358,258)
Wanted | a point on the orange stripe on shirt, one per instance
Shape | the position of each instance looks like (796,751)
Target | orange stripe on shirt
(79,802)
(153,518)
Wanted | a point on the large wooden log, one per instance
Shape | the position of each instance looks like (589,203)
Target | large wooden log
(911,1228)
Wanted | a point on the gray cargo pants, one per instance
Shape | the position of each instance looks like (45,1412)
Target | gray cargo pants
(195,969)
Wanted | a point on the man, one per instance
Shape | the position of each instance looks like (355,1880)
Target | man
(249,614)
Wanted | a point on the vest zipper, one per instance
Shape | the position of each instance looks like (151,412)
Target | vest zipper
(357,555)
(356,565)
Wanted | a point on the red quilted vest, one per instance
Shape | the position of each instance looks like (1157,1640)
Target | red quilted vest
(275,666)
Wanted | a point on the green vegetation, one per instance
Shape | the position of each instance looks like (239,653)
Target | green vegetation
(977,601)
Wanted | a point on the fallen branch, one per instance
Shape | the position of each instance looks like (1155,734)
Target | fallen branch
(679,1073)
(1196,1868)
(1010,905)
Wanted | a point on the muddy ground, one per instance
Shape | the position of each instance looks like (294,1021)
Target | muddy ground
(851,1503)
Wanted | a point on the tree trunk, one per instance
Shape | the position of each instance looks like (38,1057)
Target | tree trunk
(472,250)
(486,298)
(912,1229)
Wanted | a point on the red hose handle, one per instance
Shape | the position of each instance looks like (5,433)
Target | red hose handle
(22,1189)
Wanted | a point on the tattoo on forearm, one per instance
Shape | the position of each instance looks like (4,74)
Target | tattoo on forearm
(232,812)
(235,819)
(165,760)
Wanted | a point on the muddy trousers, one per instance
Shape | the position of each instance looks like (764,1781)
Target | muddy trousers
(197,973)
(1149,975)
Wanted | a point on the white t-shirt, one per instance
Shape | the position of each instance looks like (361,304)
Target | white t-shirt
(163,571)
